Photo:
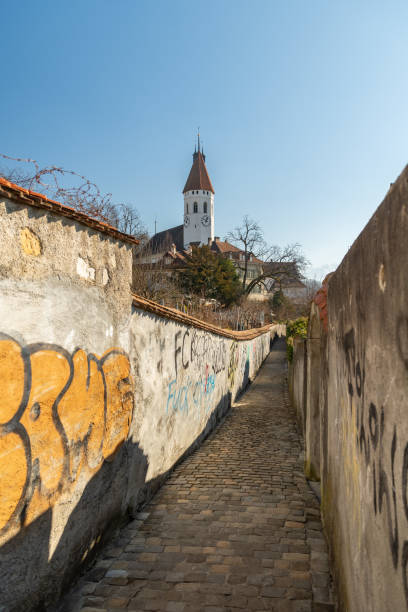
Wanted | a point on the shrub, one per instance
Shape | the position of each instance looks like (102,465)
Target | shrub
(298,327)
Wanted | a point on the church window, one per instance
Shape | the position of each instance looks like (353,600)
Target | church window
(187,208)
(205,207)
(195,207)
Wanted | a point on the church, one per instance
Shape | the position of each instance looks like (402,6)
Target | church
(198,220)
(172,246)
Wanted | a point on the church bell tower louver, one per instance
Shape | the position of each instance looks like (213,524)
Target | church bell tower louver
(198,202)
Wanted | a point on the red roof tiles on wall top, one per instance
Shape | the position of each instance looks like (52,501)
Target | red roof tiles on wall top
(185,319)
(320,299)
(32,198)
(198,177)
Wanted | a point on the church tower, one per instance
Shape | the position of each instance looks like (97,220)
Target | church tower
(198,202)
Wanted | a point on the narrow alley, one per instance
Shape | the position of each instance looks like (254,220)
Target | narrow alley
(235,527)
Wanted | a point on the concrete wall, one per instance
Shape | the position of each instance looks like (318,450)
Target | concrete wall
(99,397)
(297,380)
(185,381)
(66,400)
(362,382)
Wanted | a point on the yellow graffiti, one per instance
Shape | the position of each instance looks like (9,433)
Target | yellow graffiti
(31,245)
(60,414)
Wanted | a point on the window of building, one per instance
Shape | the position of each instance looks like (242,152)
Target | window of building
(195,207)
(205,207)
(187,208)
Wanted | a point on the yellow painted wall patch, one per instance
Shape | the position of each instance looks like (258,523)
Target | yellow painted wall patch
(30,243)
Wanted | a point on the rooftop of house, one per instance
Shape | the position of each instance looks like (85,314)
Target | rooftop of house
(163,240)
(226,248)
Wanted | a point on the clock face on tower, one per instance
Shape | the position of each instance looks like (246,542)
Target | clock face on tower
(205,220)
(186,220)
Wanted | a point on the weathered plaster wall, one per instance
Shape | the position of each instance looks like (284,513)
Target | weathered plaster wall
(65,388)
(363,402)
(297,380)
(185,379)
(99,399)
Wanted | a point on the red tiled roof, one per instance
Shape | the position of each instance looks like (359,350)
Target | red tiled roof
(176,256)
(226,247)
(198,177)
(32,198)
(320,299)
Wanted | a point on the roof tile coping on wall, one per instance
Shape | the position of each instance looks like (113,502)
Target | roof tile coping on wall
(181,317)
(26,196)
(320,299)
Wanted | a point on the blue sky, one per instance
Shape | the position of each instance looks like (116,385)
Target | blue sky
(302,106)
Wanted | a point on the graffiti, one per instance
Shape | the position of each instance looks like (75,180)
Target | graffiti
(197,395)
(402,338)
(233,363)
(199,359)
(378,453)
(60,413)
(197,348)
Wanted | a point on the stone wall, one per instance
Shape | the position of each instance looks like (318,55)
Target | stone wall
(356,407)
(101,392)
(297,381)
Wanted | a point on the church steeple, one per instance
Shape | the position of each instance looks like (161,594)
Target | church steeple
(198,177)
(198,201)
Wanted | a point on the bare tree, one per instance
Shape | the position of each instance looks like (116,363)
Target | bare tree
(280,264)
(249,238)
(312,286)
(155,280)
(74,190)
(129,222)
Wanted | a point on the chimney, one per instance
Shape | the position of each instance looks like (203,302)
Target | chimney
(209,241)
(173,249)
(216,238)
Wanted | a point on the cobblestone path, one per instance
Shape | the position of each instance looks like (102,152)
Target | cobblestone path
(236,526)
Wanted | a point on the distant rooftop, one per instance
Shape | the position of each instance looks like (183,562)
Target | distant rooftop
(163,240)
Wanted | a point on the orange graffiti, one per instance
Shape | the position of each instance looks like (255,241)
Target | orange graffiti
(82,412)
(13,475)
(59,414)
(120,401)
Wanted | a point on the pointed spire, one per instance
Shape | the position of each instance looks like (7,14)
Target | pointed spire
(198,177)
